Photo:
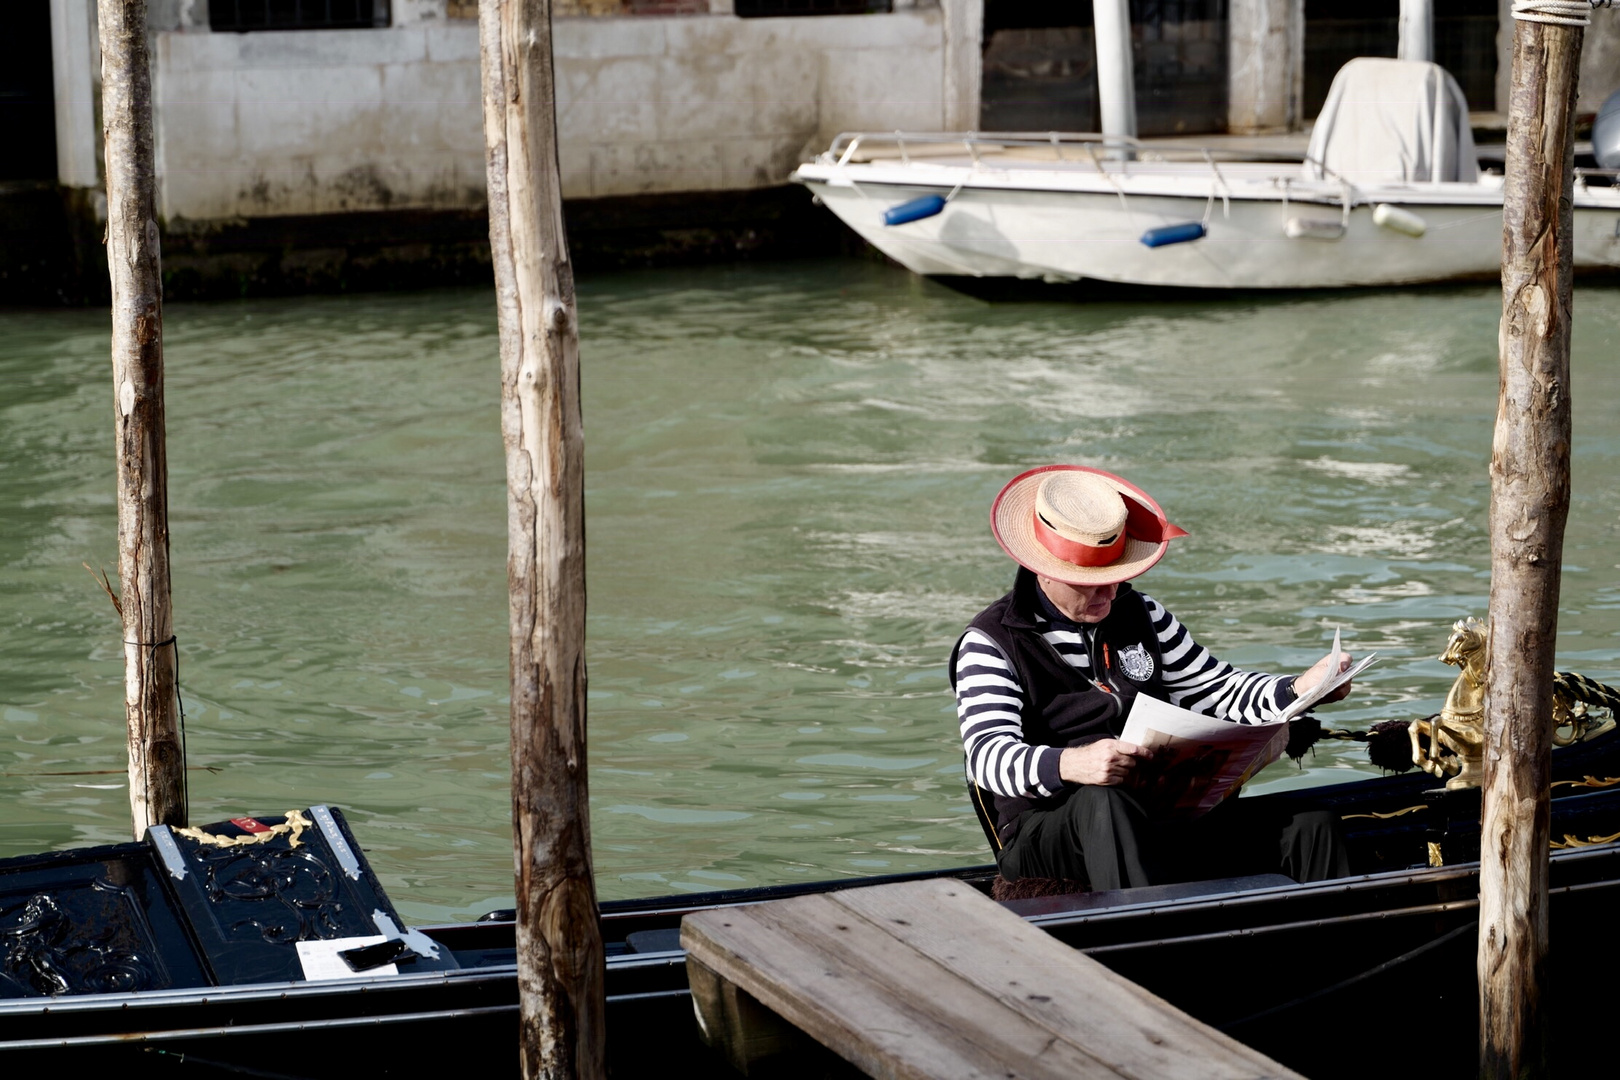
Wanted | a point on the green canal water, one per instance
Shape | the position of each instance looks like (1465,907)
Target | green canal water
(789,474)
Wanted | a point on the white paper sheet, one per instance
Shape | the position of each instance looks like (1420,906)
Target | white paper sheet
(321,961)
(1322,689)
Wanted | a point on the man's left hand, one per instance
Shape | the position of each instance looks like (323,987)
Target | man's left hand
(1318,672)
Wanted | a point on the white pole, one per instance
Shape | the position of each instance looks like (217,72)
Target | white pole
(1417,30)
(1116,90)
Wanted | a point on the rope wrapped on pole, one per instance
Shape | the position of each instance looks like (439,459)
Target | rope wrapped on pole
(1558,12)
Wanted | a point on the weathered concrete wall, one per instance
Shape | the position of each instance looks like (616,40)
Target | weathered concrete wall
(265,124)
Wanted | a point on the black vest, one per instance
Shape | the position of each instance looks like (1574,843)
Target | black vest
(1062,707)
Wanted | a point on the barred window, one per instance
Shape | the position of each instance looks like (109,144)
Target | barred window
(241,16)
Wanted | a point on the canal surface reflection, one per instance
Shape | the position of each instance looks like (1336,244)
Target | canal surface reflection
(789,474)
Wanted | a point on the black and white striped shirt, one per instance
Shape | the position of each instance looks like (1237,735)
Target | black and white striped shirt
(989,699)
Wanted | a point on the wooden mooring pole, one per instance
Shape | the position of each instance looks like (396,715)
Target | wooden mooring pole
(1529,504)
(156,763)
(561,967)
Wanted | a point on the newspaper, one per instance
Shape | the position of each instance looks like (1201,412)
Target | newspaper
(1200,760)
(1197,760)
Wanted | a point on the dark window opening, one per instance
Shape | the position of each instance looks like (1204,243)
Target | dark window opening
(666,7)
(27,97)
(1464,43)
(762,9)
(1040,66)
(1033,14)
(241,16)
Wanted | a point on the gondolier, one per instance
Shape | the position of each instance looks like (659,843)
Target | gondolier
(1045,677)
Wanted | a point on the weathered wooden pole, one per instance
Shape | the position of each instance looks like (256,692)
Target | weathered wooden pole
(561,970)
(1529,503)
(156,764)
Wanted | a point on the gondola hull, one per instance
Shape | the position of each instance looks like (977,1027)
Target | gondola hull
(1340,978)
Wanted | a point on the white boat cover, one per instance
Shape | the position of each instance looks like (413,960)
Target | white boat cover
(1606,133)
(1393,121)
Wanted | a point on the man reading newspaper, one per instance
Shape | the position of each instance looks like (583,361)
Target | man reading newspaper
(1046,676)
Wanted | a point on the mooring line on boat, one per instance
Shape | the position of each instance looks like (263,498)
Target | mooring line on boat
(1225,189)
(1119,189)
(1464,221)
(1412,954)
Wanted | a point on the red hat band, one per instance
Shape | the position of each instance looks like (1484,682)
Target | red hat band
(1075,551)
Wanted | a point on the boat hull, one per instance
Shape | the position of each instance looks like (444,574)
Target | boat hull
(1341,979)
(1089,226)
(1287,968)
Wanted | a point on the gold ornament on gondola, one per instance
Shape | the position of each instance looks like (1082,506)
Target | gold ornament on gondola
(1460,727)
(1573,694)
(1455,746)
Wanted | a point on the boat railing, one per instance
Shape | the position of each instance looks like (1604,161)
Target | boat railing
(1109,156)
(860,147)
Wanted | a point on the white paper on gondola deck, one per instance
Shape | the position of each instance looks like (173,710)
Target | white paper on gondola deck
(321,960)
(1198,760)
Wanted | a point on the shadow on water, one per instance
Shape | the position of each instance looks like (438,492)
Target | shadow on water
(1006,290)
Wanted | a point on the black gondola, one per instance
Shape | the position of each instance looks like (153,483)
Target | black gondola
(176,957)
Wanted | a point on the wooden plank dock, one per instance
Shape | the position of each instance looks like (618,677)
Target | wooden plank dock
(933,979)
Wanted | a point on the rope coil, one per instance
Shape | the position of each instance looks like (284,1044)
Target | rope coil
(1558,12)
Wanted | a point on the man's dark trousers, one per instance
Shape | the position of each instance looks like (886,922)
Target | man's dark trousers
(1102,836)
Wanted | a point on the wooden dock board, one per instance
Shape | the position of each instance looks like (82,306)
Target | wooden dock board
(933,979)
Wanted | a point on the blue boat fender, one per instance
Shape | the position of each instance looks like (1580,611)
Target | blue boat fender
(924,206)
(1165,235)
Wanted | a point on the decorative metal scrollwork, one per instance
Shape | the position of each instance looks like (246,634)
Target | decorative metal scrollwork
(87,940)
(273,893)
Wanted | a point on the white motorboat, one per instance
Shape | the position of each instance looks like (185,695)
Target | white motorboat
(1389,192)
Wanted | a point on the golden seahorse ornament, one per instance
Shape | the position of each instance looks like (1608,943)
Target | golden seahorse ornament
(1460,727)
(1456,738)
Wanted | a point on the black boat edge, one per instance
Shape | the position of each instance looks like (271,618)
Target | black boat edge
(1287,968)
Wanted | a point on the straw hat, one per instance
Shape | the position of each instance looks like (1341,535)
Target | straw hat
(1080,526)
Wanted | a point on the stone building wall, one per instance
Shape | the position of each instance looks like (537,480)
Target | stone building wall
(275,123)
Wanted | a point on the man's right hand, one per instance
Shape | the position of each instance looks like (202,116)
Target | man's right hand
(1107,762)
